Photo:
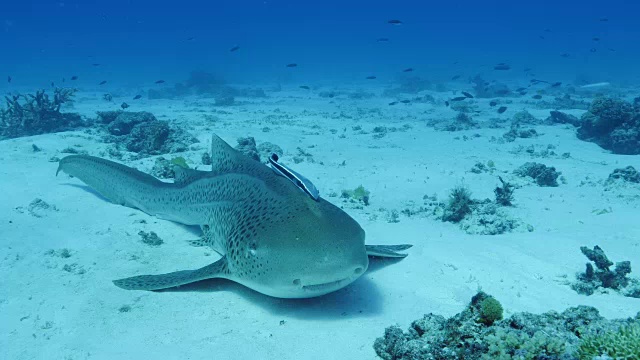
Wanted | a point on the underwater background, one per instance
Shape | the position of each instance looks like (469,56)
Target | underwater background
(472,166)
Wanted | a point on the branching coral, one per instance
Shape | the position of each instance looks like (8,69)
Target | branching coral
(33,114)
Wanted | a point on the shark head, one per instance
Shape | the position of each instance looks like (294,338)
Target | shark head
(317,250)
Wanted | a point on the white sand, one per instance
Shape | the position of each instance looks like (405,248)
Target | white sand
(48,312)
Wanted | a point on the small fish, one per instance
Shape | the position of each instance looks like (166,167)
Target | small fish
(160,82)
(292,65)
(124,105)
(537,97)
(493,103)
(52,84)
(74,77)
(446,103)
(565,55)
(612,50)
(103,82)
(405,101)
(604,19)
(456,77)
(596,39)
(95,64)
(382,40)
(407,70)
(191,38)
(556,84)
(107,97)
(304,87)
(8,78)
(371,77)
(502,109)
(467,95)
(393,103)
(235,48)
(394,22)
(459,98)
(522,93)
(521,89)
(502,67)
(137,97)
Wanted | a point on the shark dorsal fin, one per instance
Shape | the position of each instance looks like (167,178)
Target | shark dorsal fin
(223,156)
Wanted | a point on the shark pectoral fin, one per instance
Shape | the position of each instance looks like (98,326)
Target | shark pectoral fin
(388,251)
(164,281)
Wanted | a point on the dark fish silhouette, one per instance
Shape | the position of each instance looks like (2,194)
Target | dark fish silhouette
(292,65)
(394,22)
(393,103)
(456,77)
(493,103)
(556,84)
(596,39)
(8,78)
(502,67)
(537,97)
(371,77)
(604,19)
(160,82)
(191,38)
(235,48)
(405,101)
(502,109)
(74,78)
(565,55)
(446,103)
(137,97)
(467,95)
(103,82)
(459,98)
(407,70)
(107,97)
(95,64)
(124,105)
(52,84)
(304,87)
(382,40)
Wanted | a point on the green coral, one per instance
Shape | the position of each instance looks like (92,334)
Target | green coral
(621,344)
(359,194)
(507,344)
(180,161)
(490,310)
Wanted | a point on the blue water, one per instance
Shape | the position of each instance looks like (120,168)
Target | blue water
(139,42)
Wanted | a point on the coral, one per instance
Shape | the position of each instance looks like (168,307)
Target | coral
(459,204)
(142,133)
(490,310)
(543,175)
(548,336)
(150,238)
(602,277)
(163,169)
(247,146)
(504,193)
(612,124)
(34,114)
(621,344)
(523,118)
(180,161)
(628,174)
(487,219)
(485,89)
(359,194)
(558,117)
(516,132)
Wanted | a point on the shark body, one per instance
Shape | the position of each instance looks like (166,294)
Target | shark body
(272,237)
